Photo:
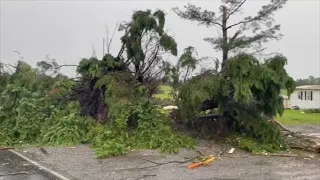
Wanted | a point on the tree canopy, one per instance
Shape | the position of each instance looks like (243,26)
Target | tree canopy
(261,25)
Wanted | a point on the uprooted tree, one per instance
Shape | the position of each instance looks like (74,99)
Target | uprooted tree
(145,43)
(246,91)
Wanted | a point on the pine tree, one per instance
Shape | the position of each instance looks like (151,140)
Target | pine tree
(261,25)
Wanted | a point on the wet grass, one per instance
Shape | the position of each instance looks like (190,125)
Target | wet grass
(165,93)
(297,117)
(283,92)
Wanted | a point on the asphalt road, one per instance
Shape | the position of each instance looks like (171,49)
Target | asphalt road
(13,167)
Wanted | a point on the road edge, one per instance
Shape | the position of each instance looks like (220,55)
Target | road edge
(39,165)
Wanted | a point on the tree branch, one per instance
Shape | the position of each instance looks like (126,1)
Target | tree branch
(8,66)
(109,43)
(266,11)
(257,51)
(154,55)
(236,9)
(66,65)
(194,13)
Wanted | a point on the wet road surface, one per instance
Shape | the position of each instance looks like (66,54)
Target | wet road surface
(13,167)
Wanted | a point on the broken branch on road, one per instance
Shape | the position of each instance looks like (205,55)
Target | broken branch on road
(12,174)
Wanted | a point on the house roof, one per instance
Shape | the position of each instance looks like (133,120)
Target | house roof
(309,87)
(284,96)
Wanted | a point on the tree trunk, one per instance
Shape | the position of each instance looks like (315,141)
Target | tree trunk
(225,48)
(185,77)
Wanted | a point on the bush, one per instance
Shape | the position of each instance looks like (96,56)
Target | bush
(310,111)
(152,132)
(253,146)
(29,115)
(44,114)
(65,126)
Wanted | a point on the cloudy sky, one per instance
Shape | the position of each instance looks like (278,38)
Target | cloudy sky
(67,30)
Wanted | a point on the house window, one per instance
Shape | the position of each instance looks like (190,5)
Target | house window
(305,95)
(309,95)
(301,95)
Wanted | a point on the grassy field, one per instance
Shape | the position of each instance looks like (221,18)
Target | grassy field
(283,92)
(165,93)
(295,117)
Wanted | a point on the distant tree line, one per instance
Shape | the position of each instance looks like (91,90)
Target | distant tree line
(311,80)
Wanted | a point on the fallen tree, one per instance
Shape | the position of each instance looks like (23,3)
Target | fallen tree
(246,94)
(299,141)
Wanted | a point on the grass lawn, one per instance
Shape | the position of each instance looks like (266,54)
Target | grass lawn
(283,92)
(295,117)
(165,93)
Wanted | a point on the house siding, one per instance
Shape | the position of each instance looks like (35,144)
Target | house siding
(306,103)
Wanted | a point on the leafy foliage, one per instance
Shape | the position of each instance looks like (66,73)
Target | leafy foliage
(255,147)
(65,126)
(247,93)
(188,61)
(116,91)
(41,109)
(30,114)
(145,43)
(152,131)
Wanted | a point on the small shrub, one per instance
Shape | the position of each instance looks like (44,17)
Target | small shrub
(65,126)
(252,145)
(310,111)
(153,132)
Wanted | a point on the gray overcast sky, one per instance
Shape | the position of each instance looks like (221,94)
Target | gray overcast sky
(66,30)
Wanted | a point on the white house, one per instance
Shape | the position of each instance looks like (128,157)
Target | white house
(306,97)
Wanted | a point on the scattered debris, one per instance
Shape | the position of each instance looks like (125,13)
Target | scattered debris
(231,150)
(147,175)
(284,155)
(43,151)
(160,164)
(200,152)
(71,147)
(300,141)
(204,162)
(311,156)
(12,174)
(170,107)
(221,153)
